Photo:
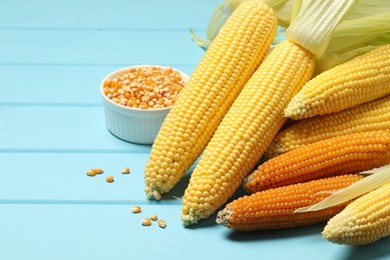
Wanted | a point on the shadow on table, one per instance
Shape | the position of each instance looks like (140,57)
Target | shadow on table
(211,221)
(377,250)
(239,236)
(177,191)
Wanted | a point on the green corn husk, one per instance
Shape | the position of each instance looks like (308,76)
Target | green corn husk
(218,18)
(366,26)
(313,34)
(223,11)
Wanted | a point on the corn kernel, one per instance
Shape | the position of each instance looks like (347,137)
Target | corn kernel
(153,217)
(146,222)
(162,224)
(136,209)
(98,170)
(110,179)
(91,172)
(126,170)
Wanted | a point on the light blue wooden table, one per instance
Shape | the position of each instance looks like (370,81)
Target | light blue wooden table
(53,55)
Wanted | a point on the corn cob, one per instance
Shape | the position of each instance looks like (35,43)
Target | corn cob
(246,130)
(362,79)
(216,82)
(364,221)
(344,154)
(374,115)
(274,208)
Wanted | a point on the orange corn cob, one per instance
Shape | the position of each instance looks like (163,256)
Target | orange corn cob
(344,154)
(274,208)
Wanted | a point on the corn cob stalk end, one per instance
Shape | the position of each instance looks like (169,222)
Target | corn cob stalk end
(223,216)
(152,193)
(189,219)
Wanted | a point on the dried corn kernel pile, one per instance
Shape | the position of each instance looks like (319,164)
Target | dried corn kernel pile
(145,87)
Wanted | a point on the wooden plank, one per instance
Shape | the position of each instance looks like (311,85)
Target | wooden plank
(79,47)
(113,232)
(58,129)
(56,85)
(60,178)
(103,15)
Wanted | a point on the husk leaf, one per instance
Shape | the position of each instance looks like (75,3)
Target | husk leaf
(364,27)
(380,177)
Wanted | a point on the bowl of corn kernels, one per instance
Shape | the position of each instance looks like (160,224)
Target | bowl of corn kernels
(137,99)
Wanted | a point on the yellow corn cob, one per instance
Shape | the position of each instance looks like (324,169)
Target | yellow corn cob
(362,79)
(364,221)
(216,82)
(374,115)
(344,154)
(274,208)
(246,130)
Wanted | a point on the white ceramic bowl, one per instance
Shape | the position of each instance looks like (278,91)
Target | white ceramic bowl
(134,125)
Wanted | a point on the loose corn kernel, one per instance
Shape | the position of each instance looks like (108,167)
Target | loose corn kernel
(136,209)
(91,172)
(365,220)
(246,130)
(98,170)
(228,63)
(344,154)
(275,208)
(155,87)
(357,81)
(126,170)
(146,222)
(162,224)
(153,217)
(110,178)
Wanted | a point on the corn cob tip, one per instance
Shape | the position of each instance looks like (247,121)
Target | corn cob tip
(296,109)
(189,219)
(191,216)
(333,234)
(363,221)
(247,180)
(340,230)
(223,216)
(152,193)
(274,149)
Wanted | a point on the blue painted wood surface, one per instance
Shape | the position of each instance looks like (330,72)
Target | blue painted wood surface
(53,55)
